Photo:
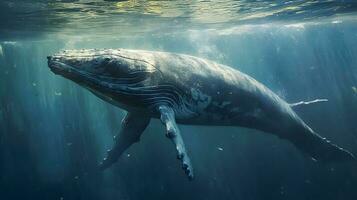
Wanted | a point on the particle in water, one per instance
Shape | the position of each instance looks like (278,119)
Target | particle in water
(1,51)
(337,22)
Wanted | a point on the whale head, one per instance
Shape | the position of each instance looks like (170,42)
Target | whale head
(97,65)
(110,73)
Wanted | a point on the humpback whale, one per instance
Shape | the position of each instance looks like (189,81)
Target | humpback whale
(183,89)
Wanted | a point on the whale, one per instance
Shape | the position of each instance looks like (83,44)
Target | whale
(183,89)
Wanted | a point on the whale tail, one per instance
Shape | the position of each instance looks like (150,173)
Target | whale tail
(311,143)
(321,149)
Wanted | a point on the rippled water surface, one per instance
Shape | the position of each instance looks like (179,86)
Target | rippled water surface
(136,16)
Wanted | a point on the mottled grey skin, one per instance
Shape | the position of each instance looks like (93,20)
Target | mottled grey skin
(189,90)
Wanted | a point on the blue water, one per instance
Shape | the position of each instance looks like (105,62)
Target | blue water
(53,133)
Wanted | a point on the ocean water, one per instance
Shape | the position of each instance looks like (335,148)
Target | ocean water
(53,133)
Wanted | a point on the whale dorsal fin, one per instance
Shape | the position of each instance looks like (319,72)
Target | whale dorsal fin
(303,103)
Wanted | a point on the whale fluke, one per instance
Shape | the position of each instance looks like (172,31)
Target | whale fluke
(319,148)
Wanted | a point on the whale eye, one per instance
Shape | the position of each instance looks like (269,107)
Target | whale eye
(106,61)
(75,62)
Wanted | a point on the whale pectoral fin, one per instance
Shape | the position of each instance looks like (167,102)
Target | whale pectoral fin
(132,127)
(173,132)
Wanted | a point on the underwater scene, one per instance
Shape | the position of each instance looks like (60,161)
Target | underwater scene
(184,86)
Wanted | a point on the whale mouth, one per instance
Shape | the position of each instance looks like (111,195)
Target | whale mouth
(58,67)
(71,72)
